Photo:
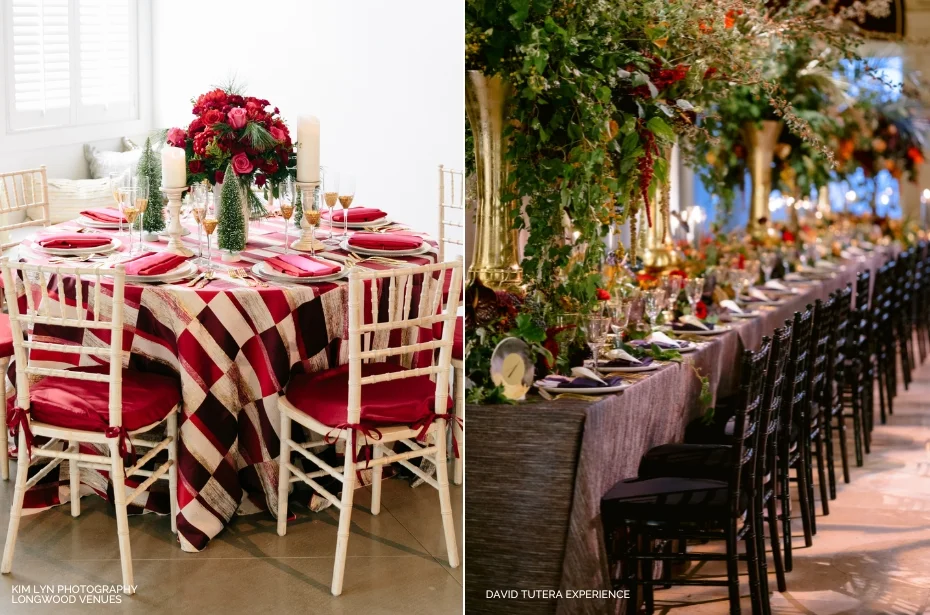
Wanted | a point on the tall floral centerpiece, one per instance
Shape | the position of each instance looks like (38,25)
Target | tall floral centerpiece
(231,129)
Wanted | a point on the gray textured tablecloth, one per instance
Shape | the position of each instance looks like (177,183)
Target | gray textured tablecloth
(535,472)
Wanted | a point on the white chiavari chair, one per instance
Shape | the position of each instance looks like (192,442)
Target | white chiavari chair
(100,404)
(379,397)
(22,191)
(452,231)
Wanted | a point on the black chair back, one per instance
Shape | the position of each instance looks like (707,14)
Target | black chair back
(863,284)
(820,345)
(774,392)
(794,396)
(747,456)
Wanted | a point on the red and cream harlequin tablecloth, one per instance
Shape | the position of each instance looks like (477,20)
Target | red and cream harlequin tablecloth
(234,347)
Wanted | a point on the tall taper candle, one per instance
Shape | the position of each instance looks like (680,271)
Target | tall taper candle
(308,149)
(173,167)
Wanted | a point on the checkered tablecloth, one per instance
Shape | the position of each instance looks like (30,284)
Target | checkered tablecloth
(234,348)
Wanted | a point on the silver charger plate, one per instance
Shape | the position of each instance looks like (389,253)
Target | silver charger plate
(85,221)
(717,330)
(632,369)
(584,390)
(182,271)
(423,249)
(265,272)
(358,225)
(114,245)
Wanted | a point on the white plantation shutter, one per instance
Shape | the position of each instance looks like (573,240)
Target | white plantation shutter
(38,56)
(71,62)
(106,40)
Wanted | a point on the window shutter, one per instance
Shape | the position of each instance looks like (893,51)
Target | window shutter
(107,44)
(39,61)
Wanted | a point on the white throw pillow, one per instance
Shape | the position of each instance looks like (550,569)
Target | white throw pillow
(67,198)
(103,163)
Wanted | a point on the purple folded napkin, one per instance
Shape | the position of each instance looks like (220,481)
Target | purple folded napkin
(662,345)
(626,363)
(563,382)
(684,326)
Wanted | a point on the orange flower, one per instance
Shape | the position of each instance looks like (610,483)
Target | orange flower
(916,155)
(705,28)
(730,19)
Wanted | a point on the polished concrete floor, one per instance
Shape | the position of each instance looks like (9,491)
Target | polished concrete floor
(397,561)
(871,555)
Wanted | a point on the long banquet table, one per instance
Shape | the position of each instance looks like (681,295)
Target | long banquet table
(536,471)
(234,348)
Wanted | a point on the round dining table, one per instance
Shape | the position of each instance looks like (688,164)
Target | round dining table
(234,344)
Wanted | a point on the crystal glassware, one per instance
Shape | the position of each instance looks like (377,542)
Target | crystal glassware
(596,329)
(312,216)
(209,225)
(128,210)
(330,197)
(141,184)
(198,198)
(620,316)
(117,181)
(286,200)
(346,196)
(694,288)
(653,304)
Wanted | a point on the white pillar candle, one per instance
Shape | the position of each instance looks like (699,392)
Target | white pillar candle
(173,167)
(308,148)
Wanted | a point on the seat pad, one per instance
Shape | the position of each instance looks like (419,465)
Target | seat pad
(84,404)
(709,461)
(670,499)
(458,340)
(325,396)
(6,336)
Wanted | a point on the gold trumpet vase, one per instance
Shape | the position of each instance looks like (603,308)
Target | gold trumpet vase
(494,256)
(761,139)
(660,253)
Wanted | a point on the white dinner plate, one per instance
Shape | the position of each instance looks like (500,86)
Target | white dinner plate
(182,271)
(717,330)
(760,302)
(751,314)
(423,249)
(585,390)
(265,272)
(85,221)
(114,245)
(688,347)
(359,225)
(633,369)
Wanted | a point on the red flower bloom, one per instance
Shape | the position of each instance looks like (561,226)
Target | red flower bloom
(214,99)
(218,177)
(212,117)
(916,155)
(260,180)
(710,72)
(195,166)
(700,310)
(730,19)
(196,126)
(677,273)
(270,166)
(241,164)
(787,235)
(602,295)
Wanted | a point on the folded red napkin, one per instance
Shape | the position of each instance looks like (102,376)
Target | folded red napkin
(357,214)
(104,214)
(302,266)
(64,241)
(153,263)
(385,241)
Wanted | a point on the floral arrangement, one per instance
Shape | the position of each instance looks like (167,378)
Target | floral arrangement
(233,129)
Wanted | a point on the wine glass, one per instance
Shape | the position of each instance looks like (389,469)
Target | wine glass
(736,279)
(653,304)
(128,209)
(753,269)
(768,262)
(596,329)
(286,201)
(117,181)
(331,197)
(198,208)
(346,195)
(141,184)
(694,288)
(620,316)
(209,225)
(312,216)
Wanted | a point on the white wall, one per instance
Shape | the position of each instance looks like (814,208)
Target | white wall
(385,79)
(61,150)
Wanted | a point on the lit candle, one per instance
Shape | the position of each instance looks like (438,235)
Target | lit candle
(173,167)
(308,148)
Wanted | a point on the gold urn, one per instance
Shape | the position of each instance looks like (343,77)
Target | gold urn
(660,253)
(760,139)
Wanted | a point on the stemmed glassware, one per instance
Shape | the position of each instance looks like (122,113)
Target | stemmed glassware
(768,262)
(596,329)
(141,184)
(129,210)
(312,216)
(694,288)
(209,225)
(620,316)
(117,182)
(346,195)
(653,304)
(330,197)
(286,199)
(198,209)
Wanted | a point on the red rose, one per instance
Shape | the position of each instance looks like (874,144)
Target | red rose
(787,235)
(602,295)
(195,166)
(260,180)
(241,164)
(196,126)
(218,177)
(270,166)
(700,310)
(278,134)
(176,137)
(212,117)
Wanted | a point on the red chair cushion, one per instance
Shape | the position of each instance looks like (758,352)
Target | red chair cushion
(6,336)
(82,404)
(325,396)
(458,340)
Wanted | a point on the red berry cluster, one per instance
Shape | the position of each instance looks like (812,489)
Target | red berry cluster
(646,166)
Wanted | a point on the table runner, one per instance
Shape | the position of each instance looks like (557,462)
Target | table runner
(234,348)
(530,538)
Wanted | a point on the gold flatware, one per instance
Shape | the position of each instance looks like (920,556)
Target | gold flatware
(207,278)
(193,282)
(247,275)
(236,273)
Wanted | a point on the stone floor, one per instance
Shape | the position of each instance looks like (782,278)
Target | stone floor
(871,555)
(397,561)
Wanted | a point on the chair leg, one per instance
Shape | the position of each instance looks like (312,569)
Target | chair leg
(458,383)
(807,506)
(173,470)
(822,476)
(844,452)
(784,496)
(345,516)
(16,510)
(776,545)
(758,531)
(376,480)
(648,569)
(122,516)
(284,474)
(74,476)
(826,434)
(752,565)
(445,500)
(5,448)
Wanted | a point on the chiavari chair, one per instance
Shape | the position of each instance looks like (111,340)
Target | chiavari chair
(900,315)
(101,405)
(379,397)
(835,383)
(815,412)
(883,337)
(857,390)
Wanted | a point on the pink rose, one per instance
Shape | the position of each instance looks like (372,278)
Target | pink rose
(241,164)
(237,117)
(176,137)
(278,134)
